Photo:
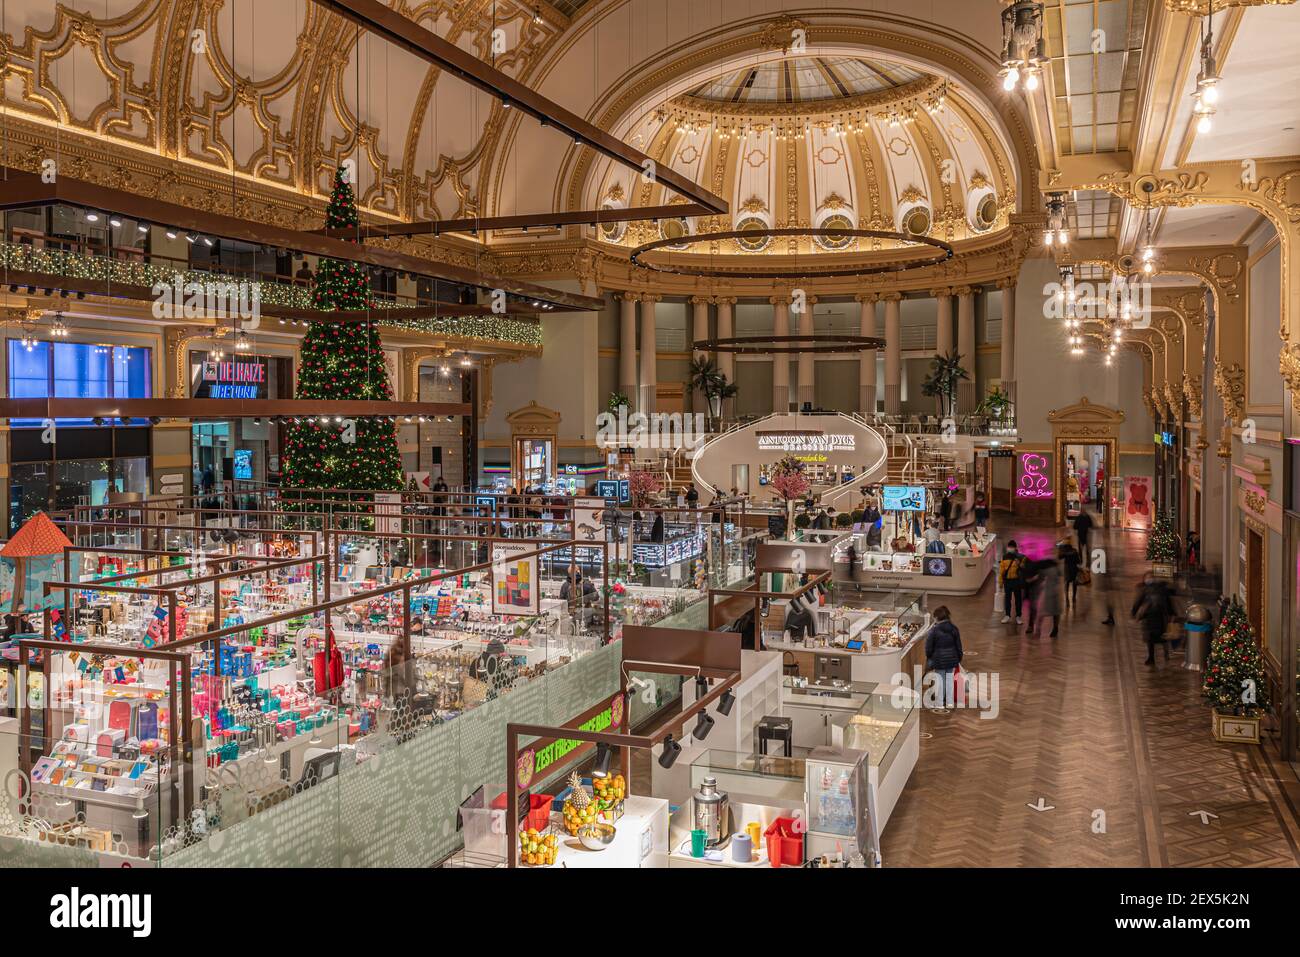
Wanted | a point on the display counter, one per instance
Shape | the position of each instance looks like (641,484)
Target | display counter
(880,719)
(867,637)
(961,569)
(640,839)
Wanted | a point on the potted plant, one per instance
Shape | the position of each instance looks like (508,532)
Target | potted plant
(1234,679)
(616,401)
(791,484)
(707,379)
(995,405)
(945,372)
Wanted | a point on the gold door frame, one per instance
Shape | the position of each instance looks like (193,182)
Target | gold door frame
(1084,423)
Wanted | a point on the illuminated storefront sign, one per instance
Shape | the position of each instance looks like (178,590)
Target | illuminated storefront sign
(806,442)
(242,378)
(1034,478)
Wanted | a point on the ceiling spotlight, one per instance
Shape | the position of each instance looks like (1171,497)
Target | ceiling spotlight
(92,217)
(154,419)
(189,239)
(171,234)
(703,725)
(115,223)
(257,420)
(726,703)
(142,228)
(672,750)
(207,241)
(604,756)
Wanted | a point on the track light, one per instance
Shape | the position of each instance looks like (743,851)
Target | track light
(171,234)
(154,419)
(92,217)
(726,703)
(97,421)
(189,239)
(604,755)
(115,223)
(703,725)
(142,227)
(672,750)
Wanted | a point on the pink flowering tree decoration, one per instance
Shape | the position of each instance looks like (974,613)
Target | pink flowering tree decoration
(789,482)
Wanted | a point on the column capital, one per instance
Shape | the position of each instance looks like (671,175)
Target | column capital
(701,300)
(1008,282)
(779,300)
(650,298)
(725,300)
(963,291)
(872,297)
(891,297)
(943,292)
(628,296)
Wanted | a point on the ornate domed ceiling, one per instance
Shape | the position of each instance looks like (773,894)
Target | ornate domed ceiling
(818,141)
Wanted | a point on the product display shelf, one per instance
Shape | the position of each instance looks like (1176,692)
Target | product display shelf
(640,839)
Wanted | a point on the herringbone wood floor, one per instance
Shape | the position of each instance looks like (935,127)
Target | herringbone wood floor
(1122,752)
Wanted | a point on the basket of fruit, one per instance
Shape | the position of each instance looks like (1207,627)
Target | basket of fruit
(537,849)
(609,793)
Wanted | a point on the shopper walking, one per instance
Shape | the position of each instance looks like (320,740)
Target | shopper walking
(981,513)
(872,518)
(1070,561)
(1047,597)
(1011,575)
(1154,608)
(943,653)
(1193,549)
(945,512)
(1082,528)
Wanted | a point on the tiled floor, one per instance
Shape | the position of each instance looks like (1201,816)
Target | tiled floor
(1119,751)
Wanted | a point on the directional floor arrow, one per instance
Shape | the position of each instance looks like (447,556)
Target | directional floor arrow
(1203,815)
(1042,805)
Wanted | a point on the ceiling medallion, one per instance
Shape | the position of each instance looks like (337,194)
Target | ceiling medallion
(832,235)
(766,345)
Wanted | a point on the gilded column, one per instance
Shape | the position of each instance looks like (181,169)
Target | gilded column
(867,359)
(893,352)
(943,330)
(780,360)
(1008,372)
(649,355)
(700,332)
(967,389)
(627,345)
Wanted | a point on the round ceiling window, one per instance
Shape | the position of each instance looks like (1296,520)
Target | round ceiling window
(832,242)
(759,241)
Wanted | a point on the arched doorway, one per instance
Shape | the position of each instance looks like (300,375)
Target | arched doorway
(1086,426)
(534,432)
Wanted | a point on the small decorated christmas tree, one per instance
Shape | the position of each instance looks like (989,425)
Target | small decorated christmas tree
(342,361)
(1162,544)
(1234,672)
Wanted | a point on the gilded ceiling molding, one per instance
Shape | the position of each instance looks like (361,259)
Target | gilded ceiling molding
(1197,8)
(1230,383)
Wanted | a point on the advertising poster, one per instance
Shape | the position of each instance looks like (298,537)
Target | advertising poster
(423,480)
(388,504)
(589,519)
(903,498)
(514,579)
(243,465)
(1137,501)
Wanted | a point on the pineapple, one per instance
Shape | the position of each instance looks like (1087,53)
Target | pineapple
(579,809)
(579,797)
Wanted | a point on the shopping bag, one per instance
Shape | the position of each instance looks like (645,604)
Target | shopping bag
(1085,576)
(958,687)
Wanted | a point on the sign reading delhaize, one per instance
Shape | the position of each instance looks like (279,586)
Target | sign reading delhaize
(805,442)
(241,378)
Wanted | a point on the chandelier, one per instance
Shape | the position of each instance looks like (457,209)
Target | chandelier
(57,329)
(1057,228)
(1024,52)
(1207,80)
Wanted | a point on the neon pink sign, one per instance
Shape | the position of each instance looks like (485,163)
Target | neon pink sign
(1035,477)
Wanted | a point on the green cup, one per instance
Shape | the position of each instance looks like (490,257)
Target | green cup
(698,837)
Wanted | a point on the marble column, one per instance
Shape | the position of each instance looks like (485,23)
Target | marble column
(627,345)
(943,329)
(727,360)
(649,355)
(780,360)
(699,332)
(893,352)
(867,360)
(967,389)
(1008,287)
(806,359)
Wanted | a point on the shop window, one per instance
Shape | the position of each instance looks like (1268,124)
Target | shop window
(29,370)
(78,370)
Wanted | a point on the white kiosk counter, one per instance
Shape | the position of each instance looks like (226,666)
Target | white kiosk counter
(961,569)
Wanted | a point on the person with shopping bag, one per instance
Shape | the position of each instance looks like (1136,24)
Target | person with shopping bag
(943,652)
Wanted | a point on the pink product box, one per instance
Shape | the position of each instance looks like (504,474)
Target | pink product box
(109,741)
(286,729)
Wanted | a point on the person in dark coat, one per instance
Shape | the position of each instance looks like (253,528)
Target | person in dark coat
(1082,526)
(943,652)
(1070,560)
(1154,608)
(872,519)
(981,513)
(945,512)
(657,529)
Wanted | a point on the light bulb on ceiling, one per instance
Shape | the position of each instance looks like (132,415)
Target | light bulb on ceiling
(1063,236)
(1048,237)
(1203,125)
(1148,268)
(1010,79)
(1148,253)
(1031,81)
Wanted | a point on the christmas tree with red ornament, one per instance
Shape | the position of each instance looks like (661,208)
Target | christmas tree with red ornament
(1234,672)
(342,361)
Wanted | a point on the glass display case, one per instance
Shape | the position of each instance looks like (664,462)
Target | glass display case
(860,715)
(840,809)
(901,615)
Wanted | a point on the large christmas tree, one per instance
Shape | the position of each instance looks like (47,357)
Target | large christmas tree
(1234,671)
(1162,544)
(342,361)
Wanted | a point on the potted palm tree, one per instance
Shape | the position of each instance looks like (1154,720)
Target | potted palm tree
(995,405)
(707,379)
(945,372)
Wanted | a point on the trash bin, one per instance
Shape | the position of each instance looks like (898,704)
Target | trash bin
(1197,646)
